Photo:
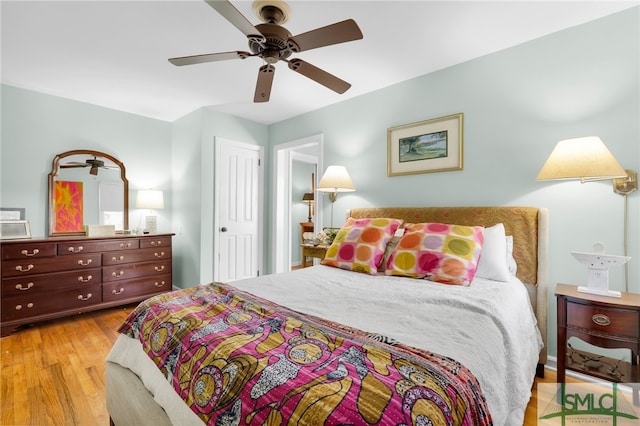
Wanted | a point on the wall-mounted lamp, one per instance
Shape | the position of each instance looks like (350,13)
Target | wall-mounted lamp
(150,199)
(335,179)
(589,160)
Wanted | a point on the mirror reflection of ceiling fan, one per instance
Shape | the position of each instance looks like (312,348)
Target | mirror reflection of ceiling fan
(272,42)
(94,163)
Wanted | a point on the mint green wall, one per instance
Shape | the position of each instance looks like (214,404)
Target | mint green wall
(192,174)
(36,127)
(517,104)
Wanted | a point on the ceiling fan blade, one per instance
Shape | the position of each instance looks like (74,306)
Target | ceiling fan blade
(339,32)
(209,57)
(73,165)
(233,15)
(265,81)
(314,73)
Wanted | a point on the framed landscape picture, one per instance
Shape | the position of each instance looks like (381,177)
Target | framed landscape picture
(427,146)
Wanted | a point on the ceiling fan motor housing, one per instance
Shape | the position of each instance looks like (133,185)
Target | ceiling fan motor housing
(275,47)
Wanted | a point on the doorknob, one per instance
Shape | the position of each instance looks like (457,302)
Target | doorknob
(223,229)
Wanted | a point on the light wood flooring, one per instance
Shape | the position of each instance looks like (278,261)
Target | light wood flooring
(53,373)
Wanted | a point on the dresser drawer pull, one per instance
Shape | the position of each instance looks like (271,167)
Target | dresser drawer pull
(161,254)
(156,243)
(19,307)
(123,245)
(85,280)
(117,259)
(87,297)
(19,268)
(116,292)
(601,319)
(159,284)
(159,268)
(21,288)
(84,263)
(117,274)
(75,250)
(33,253)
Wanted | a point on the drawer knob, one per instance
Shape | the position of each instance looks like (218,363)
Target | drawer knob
(159,284)
(117,274)
(19,268)
(19,307)
(84,263)
(123,245)
(161,254)
(114,291)
(21,288)
(117,259)
(87,297)
(85,280)
(601,319)
(156,243)
(33,253)
(159,268)
(75,249)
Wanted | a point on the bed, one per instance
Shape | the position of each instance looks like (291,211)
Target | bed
(375,340)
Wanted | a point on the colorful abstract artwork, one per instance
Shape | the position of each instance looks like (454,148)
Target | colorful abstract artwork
(67,206)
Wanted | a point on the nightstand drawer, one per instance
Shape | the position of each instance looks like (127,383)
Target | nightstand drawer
(615,321)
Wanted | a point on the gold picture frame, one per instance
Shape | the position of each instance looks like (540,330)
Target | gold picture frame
(428,146)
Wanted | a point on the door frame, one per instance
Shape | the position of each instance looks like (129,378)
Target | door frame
(281,223)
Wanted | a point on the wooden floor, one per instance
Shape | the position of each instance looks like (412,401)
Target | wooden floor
(53,373)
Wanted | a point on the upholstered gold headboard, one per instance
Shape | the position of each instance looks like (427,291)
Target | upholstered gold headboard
(527,225)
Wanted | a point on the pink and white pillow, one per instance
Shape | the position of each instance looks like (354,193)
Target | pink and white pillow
(438,252)
(360,244)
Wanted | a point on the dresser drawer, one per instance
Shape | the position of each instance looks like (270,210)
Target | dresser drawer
(135,270)
(25,306)
(74,247)
(136,288)
(28,250)
(614,321)
(14,268)
(142,255)
(30,284)
(155,242)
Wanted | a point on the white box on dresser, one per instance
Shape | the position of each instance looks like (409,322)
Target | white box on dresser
(60,276)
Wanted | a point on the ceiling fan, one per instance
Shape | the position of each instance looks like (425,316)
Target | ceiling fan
(272,42)
(94,163)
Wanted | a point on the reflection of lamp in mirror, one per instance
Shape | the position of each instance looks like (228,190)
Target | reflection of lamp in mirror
(150,199)
(335,179)
(589,160)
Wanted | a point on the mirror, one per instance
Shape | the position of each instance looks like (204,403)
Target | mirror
(87,188)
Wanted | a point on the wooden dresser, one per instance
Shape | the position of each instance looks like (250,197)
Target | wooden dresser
(60,276)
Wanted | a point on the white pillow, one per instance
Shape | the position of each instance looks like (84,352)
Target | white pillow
(511,262)
(493,258)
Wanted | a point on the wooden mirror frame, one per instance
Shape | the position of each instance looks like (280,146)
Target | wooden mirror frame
(54,172)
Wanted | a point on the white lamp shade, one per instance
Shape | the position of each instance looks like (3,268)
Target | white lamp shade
(149,199)
(336,179)
(581,158)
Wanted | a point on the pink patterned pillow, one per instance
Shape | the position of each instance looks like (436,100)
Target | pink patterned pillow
(438,252)
(360,244)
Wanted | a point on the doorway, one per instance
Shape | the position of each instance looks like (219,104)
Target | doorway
(287,157)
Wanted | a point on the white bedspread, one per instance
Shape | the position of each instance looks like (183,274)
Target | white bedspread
(489,326)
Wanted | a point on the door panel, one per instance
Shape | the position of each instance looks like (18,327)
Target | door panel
(237,209)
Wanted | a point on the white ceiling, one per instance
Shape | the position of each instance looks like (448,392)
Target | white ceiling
(114,53)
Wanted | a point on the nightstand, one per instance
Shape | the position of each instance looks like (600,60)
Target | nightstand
(309,250)
(606,322)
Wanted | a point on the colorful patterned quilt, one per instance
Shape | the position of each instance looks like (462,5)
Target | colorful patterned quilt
(237,359)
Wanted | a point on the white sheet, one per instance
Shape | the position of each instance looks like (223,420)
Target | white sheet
(489,326)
